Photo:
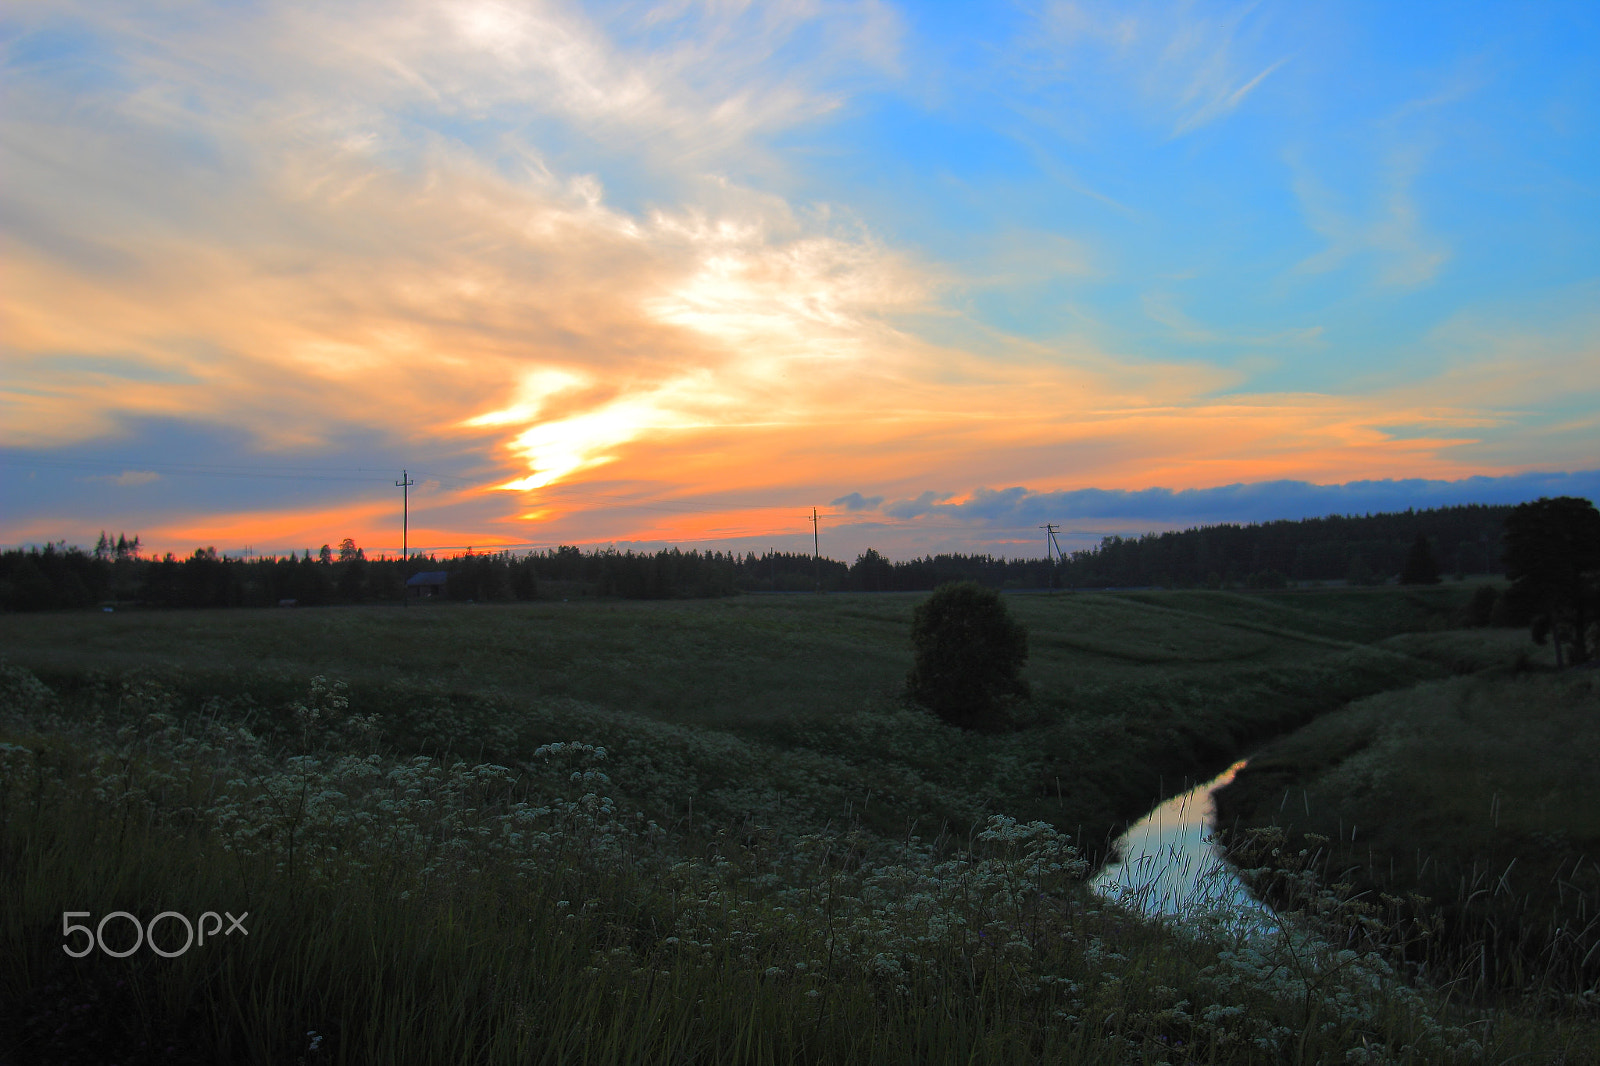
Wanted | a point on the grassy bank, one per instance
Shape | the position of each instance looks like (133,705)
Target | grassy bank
(1478,794)
(1133,694)
(706,832)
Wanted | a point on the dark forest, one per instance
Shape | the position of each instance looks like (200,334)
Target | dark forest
(1367,549)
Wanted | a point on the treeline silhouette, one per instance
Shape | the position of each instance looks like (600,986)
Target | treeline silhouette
(1360,549)
(59,576)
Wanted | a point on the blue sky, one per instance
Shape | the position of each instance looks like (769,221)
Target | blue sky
(676,273)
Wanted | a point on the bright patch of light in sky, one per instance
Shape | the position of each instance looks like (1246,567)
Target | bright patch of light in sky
(679,272)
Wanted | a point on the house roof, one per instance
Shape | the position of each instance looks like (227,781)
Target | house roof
(428,577)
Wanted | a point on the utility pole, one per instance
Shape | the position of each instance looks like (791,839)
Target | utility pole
(1049,541)
(816,551)
(404,485)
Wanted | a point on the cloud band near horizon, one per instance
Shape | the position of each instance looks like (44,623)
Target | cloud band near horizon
(1263,501)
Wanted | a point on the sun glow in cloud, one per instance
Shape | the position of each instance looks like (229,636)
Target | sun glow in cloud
(767,327)
(682,272)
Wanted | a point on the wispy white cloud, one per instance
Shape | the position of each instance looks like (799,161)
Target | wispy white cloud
(1388,227)
(1222,101)
(698,84)
(276,204)
(1194,64)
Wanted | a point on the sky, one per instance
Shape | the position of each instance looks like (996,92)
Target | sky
(681,273)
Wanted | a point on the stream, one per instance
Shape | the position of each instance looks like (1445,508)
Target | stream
(1168,865)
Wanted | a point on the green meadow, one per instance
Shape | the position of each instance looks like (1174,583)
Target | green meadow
(704,831)
(1480,795)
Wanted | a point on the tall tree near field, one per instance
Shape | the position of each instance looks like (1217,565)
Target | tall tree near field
(872,572)
(969,653)
(1552,556)
(352,582)
(1421,568)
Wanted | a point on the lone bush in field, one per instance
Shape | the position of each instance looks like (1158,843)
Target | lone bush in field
(969,654)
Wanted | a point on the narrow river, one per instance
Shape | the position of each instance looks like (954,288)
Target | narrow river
(1170,866)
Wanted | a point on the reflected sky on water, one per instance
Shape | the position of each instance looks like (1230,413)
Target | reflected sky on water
(1170,866)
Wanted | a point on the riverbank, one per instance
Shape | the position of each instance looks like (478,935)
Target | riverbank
(1468,810)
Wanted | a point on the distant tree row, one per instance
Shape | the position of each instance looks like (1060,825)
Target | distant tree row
(1414,546)
(1360,549)
(58,576)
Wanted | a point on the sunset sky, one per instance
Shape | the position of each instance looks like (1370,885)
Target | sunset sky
(678,273)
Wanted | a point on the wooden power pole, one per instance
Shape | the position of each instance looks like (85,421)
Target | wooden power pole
(1049,542)
(404,485)
(816,551)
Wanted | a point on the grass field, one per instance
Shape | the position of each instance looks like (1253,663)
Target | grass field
(1480,793)
(705,831)
(1133,694)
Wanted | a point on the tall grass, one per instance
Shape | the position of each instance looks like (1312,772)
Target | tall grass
(1468,813)
(417,907)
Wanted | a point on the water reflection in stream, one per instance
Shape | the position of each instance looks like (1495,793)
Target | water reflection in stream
(1169,864)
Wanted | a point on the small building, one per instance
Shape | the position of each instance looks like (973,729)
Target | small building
(426,584)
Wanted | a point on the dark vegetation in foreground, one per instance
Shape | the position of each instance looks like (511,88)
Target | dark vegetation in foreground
(1466,811)
(1362,550)
(686,832)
